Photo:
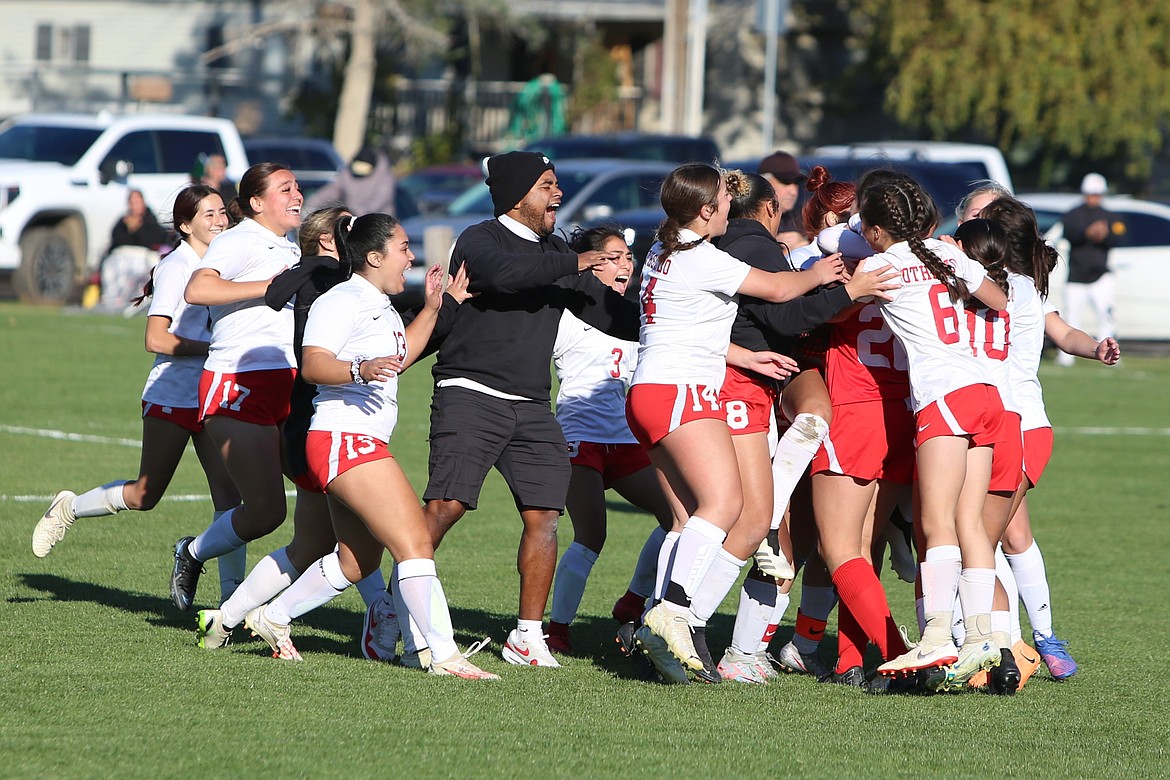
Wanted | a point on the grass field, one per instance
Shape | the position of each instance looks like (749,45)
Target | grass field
(101,678)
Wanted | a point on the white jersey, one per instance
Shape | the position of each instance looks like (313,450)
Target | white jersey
(688,307)
(247,335)
(594,371)
(1027,312)
(174,380)
(933,330)
(355,318)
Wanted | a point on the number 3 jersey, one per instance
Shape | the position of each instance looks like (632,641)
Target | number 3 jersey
(688,307)
(355,318)
(942,349)
(594,370)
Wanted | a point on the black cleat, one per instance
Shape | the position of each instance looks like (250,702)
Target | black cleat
(854,677)
(625,638)
(710,672)
(185,576)
(1004,680)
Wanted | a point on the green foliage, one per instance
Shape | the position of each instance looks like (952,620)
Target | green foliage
(1077,78)
(596,78)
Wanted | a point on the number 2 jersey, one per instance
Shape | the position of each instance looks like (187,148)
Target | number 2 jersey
(355,318)
(594,370)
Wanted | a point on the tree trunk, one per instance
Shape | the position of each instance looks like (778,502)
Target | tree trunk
(353,107)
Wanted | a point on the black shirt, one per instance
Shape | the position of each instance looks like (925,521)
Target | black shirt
(1088,260)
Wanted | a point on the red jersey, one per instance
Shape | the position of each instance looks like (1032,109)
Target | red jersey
(865,362)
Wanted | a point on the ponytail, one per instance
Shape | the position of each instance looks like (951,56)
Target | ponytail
(1029,255)
(356,237)
(987,242)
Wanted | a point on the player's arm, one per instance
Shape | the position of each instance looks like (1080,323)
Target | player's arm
(208,288)
(1076,342)
(161,341)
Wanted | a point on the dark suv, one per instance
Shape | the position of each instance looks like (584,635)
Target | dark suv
(629,146)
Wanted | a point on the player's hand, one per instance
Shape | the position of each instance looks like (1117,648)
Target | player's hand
(1109,351)
(433,287)
(830,269)
(381,369)
(875,283)
(457,285)
(587,261)
(770,364)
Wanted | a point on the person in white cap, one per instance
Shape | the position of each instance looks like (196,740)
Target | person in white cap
(1091,232)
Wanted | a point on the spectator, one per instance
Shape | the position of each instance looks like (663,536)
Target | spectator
(214,175)
(1091,232)
(138,227)
(366,186)
(783,171)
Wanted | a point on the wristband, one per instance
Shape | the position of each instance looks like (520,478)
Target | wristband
(355,369)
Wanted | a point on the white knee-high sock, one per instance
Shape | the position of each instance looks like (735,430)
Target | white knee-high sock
(419,585)
(322,582)
(413,639)
(272,574)
(940,573)
(1032,580)
(232,565)
(757,602)
(665,562)
(1003,573)
(976,593)
(569,585)
(645,570)
(782,601)
(714,587)
(794,452)
(697,548)
(101,501)
(372,586)
(219,538)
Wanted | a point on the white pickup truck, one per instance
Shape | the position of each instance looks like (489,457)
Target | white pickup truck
(64,181)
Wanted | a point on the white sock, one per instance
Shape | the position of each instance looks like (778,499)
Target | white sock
(219,538)
(101,501)
(665,560)
(976,593)
(232,565)
(697,548)
(782,601)
(646,569)
(794,452)
(419,585)
(372,587)
(714,587)
(322,582)
(530,630)
(569,585)
(958,628)
(1003,573)
(269,577)
(1032,580)
(413,639)
(816,602)
(757,602)
(940,573)
(1001,628)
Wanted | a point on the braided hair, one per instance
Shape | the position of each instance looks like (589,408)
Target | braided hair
(987,242)
(684,192)
(1030,254)
(898,204)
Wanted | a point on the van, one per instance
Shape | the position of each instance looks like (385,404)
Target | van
(990,160)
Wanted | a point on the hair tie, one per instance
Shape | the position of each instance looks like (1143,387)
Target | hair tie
(349,225)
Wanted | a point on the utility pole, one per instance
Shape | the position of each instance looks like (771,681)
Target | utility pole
(696,67)
(674,47)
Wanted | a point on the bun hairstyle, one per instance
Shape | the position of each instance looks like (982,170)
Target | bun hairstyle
(253,184)
(826,197)
(356,237)
(320,221)
(684,192)
(987,242)
(593,239)
(185,208)
(897,203)
(750,192)
(1030,254)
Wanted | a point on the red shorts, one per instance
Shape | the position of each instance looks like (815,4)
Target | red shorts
(307,482)
(869,440)
(611,461)
(1008,462)
(259,397)
(748,399)
(1037,452)
(653,411)
(974,410)
(183,416)
(331,453)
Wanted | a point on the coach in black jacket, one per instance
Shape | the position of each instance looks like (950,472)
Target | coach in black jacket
(491,404)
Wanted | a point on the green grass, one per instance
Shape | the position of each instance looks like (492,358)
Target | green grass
(100,675)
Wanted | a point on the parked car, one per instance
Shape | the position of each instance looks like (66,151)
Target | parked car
(434,187)
(629,146)
(1140,263)
(64,180)
(594,190)
(313,160)
(989,159)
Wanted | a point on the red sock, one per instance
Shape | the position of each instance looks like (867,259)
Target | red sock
(809,628)
(859,587)
(851,640)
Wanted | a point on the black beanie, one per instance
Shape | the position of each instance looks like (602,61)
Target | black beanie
(511,175)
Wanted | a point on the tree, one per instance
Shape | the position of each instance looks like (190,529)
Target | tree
(1084,79)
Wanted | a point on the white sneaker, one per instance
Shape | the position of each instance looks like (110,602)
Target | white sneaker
(52,526)
(458,665)
(380,631)
(765,664)
(739,668)
(921,657)
(530,651)
(771,561)
(973,658)
(210,631)
(674,629)
(278,637)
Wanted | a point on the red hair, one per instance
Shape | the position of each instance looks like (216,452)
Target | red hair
(826,195)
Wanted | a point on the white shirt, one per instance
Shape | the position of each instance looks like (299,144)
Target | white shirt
(1027,312)
(174,380)
(594,371)
(933,330)
(688,307)
(247,335)
(355,318)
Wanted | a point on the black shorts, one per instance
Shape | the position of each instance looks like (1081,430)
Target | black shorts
(472,431)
